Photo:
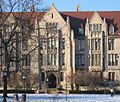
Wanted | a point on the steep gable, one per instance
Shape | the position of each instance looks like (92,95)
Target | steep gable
(52,15)
(10,19)
(96,18)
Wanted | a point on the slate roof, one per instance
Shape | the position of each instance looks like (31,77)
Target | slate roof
(78,18)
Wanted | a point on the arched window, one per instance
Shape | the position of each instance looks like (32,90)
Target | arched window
(111,29)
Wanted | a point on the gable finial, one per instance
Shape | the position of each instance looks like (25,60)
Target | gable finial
(87,20)
(68,20)
(104,19)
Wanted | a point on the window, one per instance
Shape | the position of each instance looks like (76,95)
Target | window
(92,44)
(113,59)
(63,43)
(116,59)
(96,27)
(26,60)
(52,43)
(81,30)
(95,59)
(52,61)
(111,29)
(63,58)
(92,60)
(41,59)
(99,27)
(55,59)
(99,44)
(61,76)
(109,60)
(49,59)
(99,59)
(111,76)
(80,60)
(51,27)
(90,27)
(43,76)
(96,42)
(81,44)
(48,43)
(52,15)
(110,44)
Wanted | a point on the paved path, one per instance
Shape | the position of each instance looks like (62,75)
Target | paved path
(70,98)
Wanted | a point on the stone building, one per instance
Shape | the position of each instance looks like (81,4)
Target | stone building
(70,41)
(88,40)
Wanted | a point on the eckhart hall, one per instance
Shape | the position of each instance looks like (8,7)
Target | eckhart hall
(70,41)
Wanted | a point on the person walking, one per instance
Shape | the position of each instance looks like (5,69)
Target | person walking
(112,92)
(15,98)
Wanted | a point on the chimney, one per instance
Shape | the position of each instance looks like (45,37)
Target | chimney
(78,7)
(32,8)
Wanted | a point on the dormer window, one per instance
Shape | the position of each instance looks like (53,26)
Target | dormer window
(111,29)
(81,30)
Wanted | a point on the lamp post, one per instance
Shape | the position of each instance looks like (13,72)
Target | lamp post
(24,77)
(105,85)
(47,84)
(5,83)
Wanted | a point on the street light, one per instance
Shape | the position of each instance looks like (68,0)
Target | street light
(47,84)
(24,77)
(5,82)
(105,85)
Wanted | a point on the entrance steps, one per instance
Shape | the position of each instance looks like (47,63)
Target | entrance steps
(52,90)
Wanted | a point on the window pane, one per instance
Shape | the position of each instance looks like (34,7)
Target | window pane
(63,43)
(63,58)
(82,60)
(92,44)
(99,44)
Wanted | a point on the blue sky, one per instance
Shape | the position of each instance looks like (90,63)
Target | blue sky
(85,5)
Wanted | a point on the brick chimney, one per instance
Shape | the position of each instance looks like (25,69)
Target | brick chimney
(78,7)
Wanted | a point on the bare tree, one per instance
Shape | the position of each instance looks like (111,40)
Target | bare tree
(15,31)
(87,78)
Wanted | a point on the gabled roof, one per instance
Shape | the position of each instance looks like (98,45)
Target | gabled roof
(78,18)
(24,15)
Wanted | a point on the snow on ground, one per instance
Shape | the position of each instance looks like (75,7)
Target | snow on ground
(70,98)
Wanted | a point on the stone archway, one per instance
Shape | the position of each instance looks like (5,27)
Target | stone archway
(52,81)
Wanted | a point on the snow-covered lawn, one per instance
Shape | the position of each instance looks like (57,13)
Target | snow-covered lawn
(70,98)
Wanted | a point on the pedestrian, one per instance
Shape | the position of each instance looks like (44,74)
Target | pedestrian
(23,98)
(112,92)
(15,98)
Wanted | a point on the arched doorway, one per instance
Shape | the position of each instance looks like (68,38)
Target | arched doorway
(52,81)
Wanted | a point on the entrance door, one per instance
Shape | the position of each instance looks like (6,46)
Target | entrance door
(52,81)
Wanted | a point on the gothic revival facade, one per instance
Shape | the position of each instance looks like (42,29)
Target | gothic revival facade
(84,41)
(70,41)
